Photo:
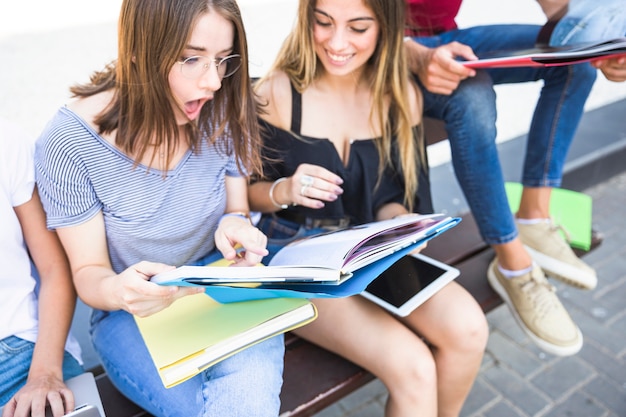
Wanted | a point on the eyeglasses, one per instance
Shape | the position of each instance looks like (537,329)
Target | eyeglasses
(195,67)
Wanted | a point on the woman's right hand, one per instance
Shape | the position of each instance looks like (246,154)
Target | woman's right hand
(312,185)
(142,298)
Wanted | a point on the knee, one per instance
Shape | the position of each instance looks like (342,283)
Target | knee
(575,79)
(265,361)
(422,369)
(252,378)
(467,336)
(259,364)
(415,368)
(583,74)
(471,111)
(475,333)
(475,95)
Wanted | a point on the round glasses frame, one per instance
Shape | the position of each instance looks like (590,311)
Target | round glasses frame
(196,66)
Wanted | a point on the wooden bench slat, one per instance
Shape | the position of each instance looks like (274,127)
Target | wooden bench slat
(307,366)
(457,244)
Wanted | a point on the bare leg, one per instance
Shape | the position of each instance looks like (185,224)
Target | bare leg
(365,334)
(512,255)
(455,326)
(535,203)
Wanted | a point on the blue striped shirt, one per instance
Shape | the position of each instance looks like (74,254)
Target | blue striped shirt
(147,216)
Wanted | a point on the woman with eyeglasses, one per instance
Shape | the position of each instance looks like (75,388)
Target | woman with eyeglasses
(341,137)
(148,169)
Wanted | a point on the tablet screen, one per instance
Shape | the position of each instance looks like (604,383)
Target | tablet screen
(405,278)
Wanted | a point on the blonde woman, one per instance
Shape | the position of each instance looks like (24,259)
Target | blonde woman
(342,146)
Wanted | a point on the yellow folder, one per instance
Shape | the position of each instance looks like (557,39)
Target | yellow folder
(196,332)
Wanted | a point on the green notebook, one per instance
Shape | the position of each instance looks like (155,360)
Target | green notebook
(570,209)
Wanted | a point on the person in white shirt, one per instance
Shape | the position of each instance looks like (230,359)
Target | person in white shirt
(36,354)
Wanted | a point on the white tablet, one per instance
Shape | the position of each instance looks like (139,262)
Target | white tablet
(86,397)
(409,282)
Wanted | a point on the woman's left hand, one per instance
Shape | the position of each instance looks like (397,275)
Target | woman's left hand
(312,185)
(614,69)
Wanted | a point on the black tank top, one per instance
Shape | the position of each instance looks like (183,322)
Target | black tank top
(284,151)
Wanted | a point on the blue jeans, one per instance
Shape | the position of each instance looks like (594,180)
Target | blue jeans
(588,21)
(470,119)
(247,384)
(16,355)
(280,232)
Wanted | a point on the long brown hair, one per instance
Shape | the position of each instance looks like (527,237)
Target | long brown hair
(152,35)
(389,80)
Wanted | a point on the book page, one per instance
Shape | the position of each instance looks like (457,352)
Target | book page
(338,249)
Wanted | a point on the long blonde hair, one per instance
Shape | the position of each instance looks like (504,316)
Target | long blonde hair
(152,35)
(390,78)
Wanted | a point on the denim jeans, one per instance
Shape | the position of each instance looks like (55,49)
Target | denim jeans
(247,384)
(280,232)
(588,21)
(470,119)
(16,355)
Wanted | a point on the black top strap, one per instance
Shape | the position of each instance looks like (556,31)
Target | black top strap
(296,110)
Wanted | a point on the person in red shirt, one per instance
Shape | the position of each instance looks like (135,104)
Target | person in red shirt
(528,246)
(428,17)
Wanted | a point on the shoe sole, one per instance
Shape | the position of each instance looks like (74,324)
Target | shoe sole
(570,275)
(543,345)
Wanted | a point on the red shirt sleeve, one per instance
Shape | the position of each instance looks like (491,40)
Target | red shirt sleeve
(430,17)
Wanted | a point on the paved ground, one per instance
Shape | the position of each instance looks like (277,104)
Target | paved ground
(517,379)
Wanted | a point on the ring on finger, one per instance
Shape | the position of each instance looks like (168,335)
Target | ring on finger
(303,190)
(306,180)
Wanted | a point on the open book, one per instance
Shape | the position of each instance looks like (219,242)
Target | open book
(351,257)
(329,258)
(551,56)
(196,332)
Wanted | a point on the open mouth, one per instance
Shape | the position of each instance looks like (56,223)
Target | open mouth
(192,108)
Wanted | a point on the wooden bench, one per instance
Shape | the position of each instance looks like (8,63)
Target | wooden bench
(315,378)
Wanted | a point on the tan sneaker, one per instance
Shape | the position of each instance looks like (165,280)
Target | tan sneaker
(554,255)
(538,310)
